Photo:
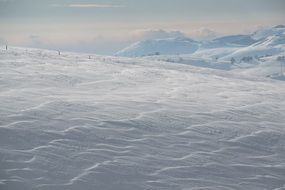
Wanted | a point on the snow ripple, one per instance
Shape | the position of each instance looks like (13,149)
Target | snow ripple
(110,123)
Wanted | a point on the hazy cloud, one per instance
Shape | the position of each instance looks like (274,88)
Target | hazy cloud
(199,34)
(89,5)
(157,34)
(2,41)
(204,34)
(94,6)
(35,40)
(97,45)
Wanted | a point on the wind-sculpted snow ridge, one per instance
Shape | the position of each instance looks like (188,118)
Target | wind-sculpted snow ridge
(68,122)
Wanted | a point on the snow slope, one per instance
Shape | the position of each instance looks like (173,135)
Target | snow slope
(269,46)
(267,32)
(68,122)
(230,41)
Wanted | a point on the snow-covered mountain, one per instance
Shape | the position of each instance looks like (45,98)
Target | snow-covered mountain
(264,42)
(258,53)
(77,121)
(230,41)
(168,46)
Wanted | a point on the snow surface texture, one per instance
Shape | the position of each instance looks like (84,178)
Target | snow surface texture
(68,122)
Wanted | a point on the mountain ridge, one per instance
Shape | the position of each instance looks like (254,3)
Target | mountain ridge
(185,45)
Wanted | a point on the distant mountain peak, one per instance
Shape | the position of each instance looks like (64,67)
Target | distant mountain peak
(280,26)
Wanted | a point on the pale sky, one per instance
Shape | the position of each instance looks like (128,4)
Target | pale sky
(105,26)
